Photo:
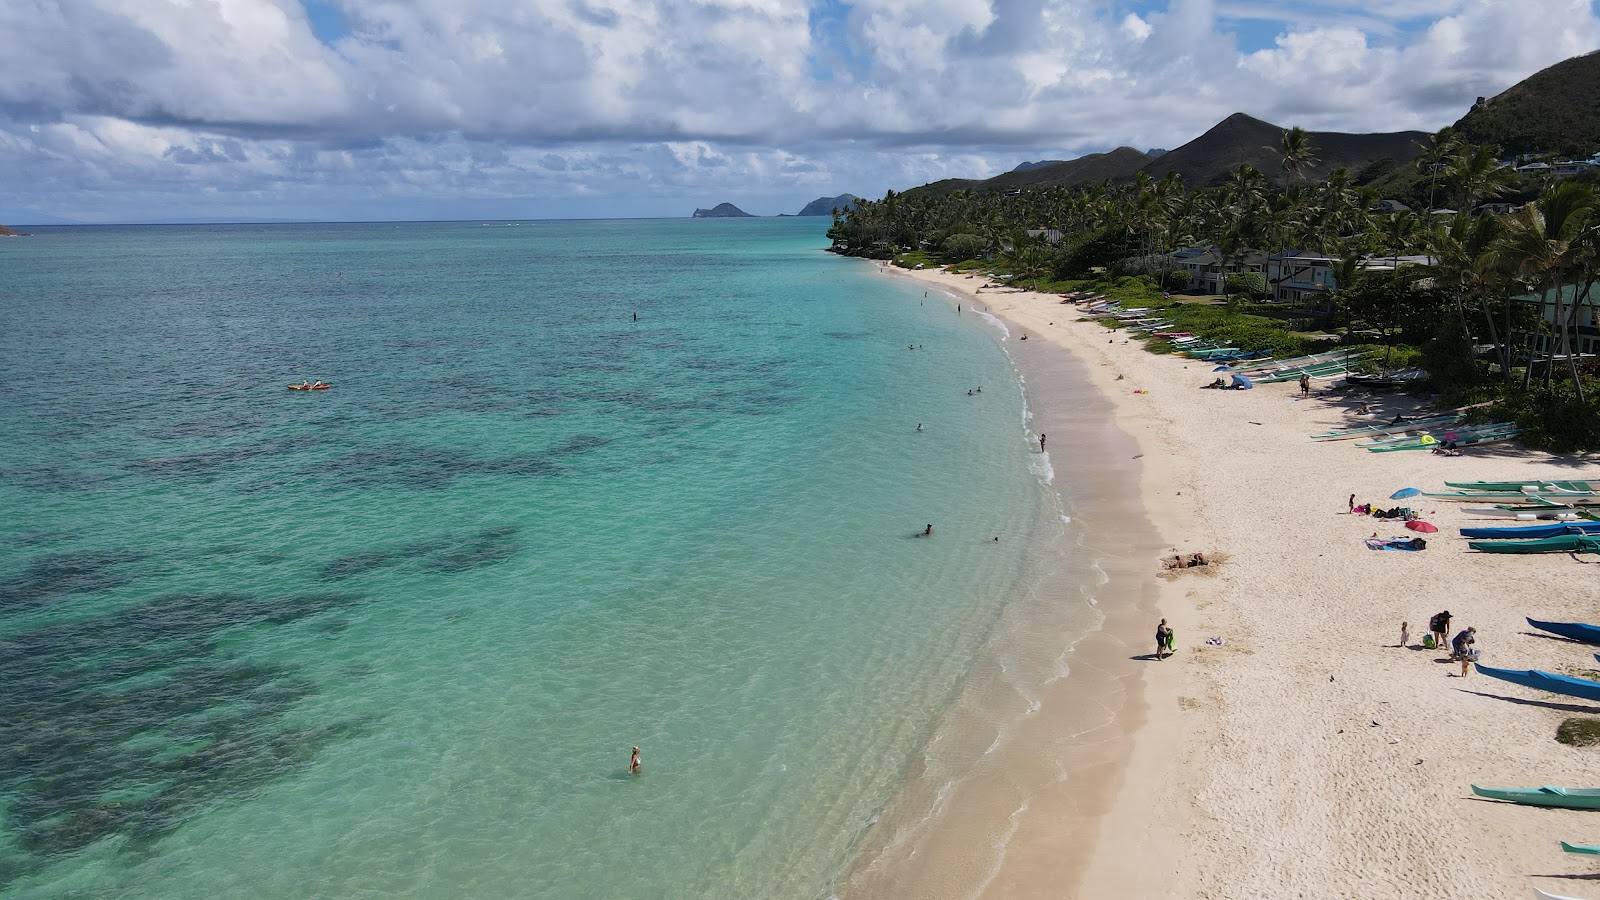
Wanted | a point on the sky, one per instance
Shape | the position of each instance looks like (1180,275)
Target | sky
(345,110)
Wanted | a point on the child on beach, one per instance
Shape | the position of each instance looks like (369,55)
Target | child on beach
(1405,634)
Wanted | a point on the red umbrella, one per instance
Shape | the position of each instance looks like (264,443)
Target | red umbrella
(1424,527)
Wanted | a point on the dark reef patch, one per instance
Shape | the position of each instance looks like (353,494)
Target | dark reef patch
(487,547)
(58,575)
(429,468)
(131,723)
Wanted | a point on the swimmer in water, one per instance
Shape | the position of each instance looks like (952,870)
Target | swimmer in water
(634,766)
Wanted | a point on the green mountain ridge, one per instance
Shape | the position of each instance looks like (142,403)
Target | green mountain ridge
(1554,110)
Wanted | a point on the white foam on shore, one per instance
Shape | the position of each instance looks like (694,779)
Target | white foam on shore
(1041,467)
(1004,331)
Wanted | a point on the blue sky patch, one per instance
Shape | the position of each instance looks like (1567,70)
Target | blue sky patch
(327,22)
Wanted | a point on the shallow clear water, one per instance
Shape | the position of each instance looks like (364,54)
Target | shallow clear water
(397,637)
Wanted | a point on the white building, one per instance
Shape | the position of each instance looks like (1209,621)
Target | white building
(1207,272)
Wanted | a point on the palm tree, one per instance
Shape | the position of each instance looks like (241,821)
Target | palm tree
(1298,155)
(1538,248)
(1435,159)
(1476,174)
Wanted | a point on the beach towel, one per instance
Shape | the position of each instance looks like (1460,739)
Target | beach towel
(1395,544)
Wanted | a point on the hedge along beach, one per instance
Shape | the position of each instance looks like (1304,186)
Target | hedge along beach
(1306,756)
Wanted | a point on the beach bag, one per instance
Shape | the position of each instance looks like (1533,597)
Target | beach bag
(1428,642)
(1437,623)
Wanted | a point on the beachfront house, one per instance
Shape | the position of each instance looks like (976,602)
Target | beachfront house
(1208,271)
(1302,277)
(1568,167)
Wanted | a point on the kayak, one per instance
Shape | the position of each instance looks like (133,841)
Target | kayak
(309,387)
(1590,849)
(1577,631)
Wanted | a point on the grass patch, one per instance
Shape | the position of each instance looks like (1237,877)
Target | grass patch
(1579,732)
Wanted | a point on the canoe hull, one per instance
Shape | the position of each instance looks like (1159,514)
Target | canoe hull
(1527,532)
(1577,631)
(1551,797)
(1568,543)
(1545,681)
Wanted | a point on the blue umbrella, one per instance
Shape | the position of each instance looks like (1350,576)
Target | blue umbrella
(1222,369)
(1404,493)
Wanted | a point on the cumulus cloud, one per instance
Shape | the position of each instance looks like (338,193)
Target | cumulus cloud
(553,104)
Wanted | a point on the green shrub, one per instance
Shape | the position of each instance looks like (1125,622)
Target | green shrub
(964,246)
(1252,284)
(1579,732)
(1553,418)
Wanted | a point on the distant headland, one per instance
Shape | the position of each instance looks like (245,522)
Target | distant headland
(722,211)
(824,206)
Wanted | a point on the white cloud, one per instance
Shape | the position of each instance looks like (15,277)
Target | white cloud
(551,102)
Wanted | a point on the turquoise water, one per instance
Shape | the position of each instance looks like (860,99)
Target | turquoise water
(396,638)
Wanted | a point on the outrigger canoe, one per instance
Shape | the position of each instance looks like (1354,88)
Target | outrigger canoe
(309,387)
(1390,428)
(1590,849)
(1588,634)
(1545,681)
(1567,543)
(1519,486)
(1560,797)
(1525,513)
(1525,532)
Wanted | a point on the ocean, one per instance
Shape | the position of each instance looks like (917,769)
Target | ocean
(397,637)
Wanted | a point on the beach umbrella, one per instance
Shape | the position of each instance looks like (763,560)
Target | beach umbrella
(1241,382)
(1424,527)
(1222,369)
(1450,435)
(1404,493)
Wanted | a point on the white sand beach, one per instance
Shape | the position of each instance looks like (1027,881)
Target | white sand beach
(1308,756)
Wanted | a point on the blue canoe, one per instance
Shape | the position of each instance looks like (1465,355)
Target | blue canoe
(1554,529)
(1545,681)
(1589,634)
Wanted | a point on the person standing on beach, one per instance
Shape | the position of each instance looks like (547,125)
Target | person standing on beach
(1163,640)
(1305,385)
(1041,443)
(1439,625)
(1352,502)
(634,766)
(1405,634)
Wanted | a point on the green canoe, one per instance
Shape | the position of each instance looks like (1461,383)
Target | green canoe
(1565,798)
(1590,849)
(1566,543)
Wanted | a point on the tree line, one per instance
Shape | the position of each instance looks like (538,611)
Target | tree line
(1468,305)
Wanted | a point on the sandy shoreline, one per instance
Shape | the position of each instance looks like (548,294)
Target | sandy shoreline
(1309,757)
